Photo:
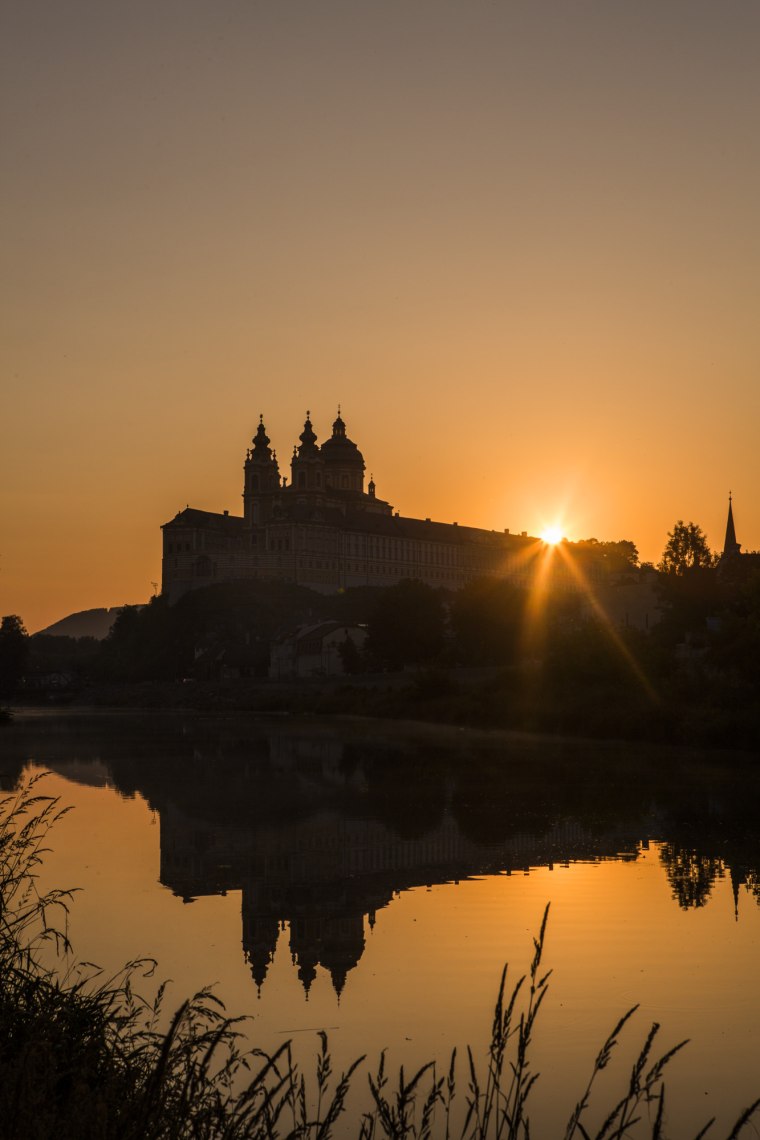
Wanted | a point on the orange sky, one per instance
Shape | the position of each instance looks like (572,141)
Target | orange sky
(517,241)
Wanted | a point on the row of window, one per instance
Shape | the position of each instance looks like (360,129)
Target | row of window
(385,548)
(376,569)
(346,482)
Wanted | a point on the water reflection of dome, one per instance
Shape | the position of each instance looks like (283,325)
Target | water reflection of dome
(334,941)
(316,842)
(260,934)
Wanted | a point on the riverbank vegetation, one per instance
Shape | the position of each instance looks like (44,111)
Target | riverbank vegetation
(83,1057)
(667,655)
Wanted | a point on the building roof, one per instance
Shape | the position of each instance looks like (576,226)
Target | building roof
(191,517)
(319,631)
(360,522)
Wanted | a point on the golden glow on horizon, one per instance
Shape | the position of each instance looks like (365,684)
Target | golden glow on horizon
(551,535)
(554,320)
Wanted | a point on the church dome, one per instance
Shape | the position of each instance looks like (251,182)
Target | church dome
(339,449)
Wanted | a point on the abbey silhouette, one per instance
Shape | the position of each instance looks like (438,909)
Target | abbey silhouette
(323,530)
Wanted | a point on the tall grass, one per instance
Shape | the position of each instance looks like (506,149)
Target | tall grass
(83,1056)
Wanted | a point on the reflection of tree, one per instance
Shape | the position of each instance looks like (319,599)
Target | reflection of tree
(691,875)
(752,883)
(407,791)
(489,806)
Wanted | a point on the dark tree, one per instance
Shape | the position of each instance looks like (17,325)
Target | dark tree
(55,653)
(616,556)
(142,644)
(685,550)
(486,619)
(688,586)
(407,625)
(14,653)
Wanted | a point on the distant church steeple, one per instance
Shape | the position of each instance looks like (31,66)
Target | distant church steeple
(730,546)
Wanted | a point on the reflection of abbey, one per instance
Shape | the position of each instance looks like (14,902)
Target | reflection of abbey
(325,531)
(318,882)
(326,878)
(319,831)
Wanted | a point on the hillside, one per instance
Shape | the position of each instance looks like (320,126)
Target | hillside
(88,623)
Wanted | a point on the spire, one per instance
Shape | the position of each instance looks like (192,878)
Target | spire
(738,877)
(730,546)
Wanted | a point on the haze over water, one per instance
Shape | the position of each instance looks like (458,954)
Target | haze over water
(375,887)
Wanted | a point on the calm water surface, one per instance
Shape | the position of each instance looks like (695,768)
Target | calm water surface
(372,881)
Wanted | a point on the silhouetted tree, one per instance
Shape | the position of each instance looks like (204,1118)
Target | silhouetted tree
(14,653)
(407,625)
(486,618)
(685,550)
(734,648)
(616,556)
(142,644)
(52,653)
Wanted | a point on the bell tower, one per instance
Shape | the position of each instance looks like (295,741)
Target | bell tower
(306,464)
(261,476)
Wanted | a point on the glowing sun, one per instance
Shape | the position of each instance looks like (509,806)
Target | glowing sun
(551,535)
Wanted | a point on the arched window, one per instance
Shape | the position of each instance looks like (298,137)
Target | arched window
(301,479)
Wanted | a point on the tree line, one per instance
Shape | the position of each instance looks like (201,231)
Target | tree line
(560,667)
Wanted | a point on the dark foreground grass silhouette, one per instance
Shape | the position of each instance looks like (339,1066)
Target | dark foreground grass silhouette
(85,1058)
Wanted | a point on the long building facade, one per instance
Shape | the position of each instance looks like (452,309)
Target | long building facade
(323,530)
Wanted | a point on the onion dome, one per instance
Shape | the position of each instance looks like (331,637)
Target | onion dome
(307,437)
(261,441)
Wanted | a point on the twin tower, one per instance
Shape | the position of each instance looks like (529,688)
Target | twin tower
(334,471)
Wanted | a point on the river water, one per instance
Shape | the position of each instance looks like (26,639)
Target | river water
(372,879)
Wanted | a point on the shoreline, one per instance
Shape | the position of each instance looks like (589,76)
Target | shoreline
(414,729)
